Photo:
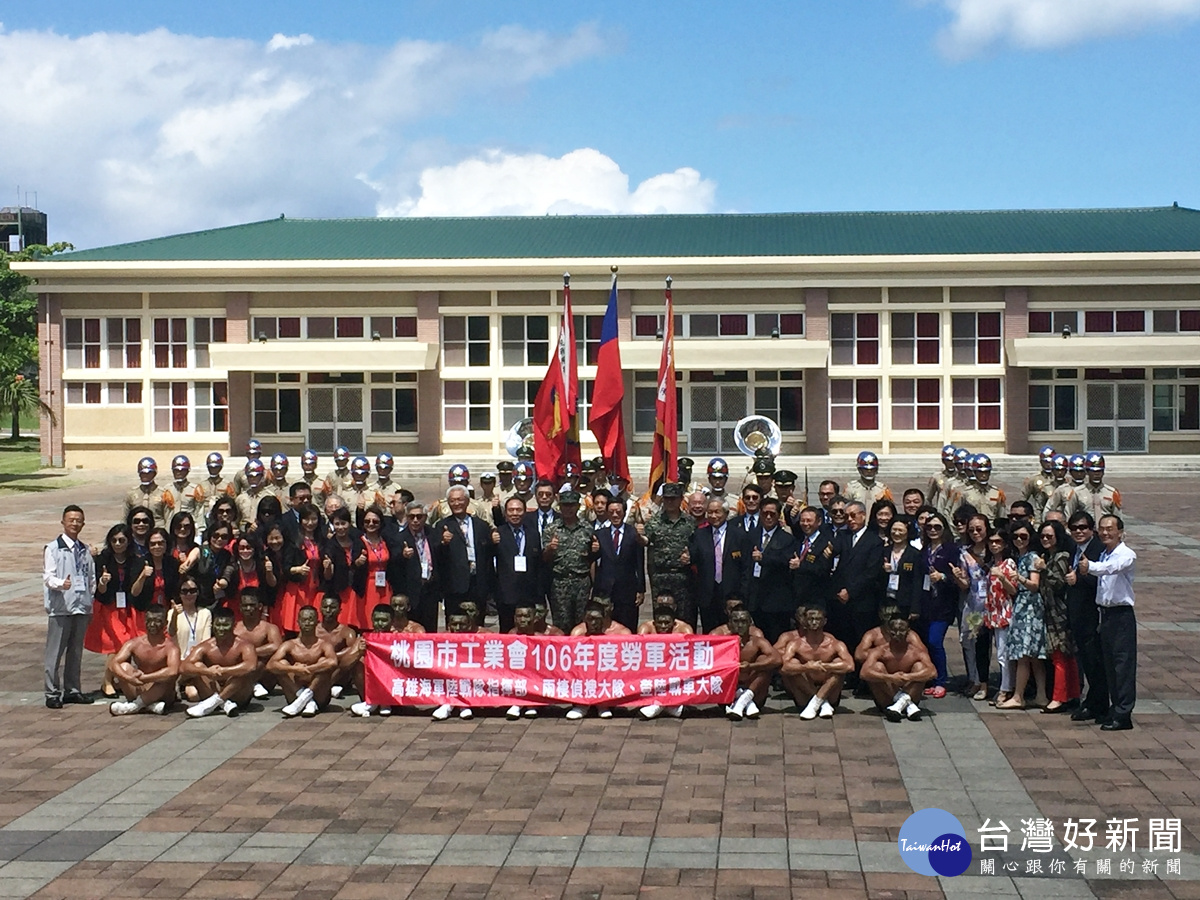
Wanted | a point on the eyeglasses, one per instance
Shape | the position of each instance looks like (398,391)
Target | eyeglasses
(120,540)
(933,526)
(189,590)
(158,543)
(1020,537)
(141,521)
(1080,526)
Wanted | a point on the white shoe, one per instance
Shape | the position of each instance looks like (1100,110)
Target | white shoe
(125,707)
(159,708)
(513,713)
(653,711)
(895,711)
(752,710)
(810,712)
(676,711)
(296,706)
(443,712)
(576,712)
(363,709)
(385,710)
(336,692)
(733,714)
(310,709)
(205,707)
(912,712)
(229,708)
(744,698)
(530,712)
(466,713)
(260,692)
(826,710)
(605,713)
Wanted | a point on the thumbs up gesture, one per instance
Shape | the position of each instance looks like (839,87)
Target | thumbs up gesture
(408,552)
(447,537)
(495,536)
(757,554)
(794,562)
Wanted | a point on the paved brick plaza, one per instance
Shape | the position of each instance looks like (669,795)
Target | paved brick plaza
(339,807)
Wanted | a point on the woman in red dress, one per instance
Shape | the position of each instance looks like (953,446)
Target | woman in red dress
(376,589)
(183,544)
(344,565)
(114,617)
(251,571)
(303,561)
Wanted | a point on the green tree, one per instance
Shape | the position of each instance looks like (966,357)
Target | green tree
(18,333)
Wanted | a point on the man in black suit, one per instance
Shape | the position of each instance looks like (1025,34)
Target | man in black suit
(713,584)
(858,580)
(464,555)
(768,574)
(620,565)
(420,575)
(518,563)
(299,493)
(816,566)
(748,524)
(543,496)
(1084,617)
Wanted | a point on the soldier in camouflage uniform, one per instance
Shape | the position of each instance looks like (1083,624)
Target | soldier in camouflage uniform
(666,537)
(160,501)
(567,551)
(1038,488)
(865,488)
(1098,498)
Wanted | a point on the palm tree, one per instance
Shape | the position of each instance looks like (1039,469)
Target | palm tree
(20,395)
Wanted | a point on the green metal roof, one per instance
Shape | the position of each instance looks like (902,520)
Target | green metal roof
(1144,230)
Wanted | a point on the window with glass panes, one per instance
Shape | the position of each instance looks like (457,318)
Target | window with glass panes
(854,339)
(587,338)
(524,340)
(387,327)
(467,405)
(212,406)
(645,401)
(466,341)
(780,396)
(1126,321)
(916,338)
(124,343)
(975,404)
(916,404)
(976,338)
(1174,321)
(1176,395)
(116,341)
(1047,321)
(82,343)
(170,343)
(207,331)
(276,403)
(393,403)
(516,401)
(854,404)
(1053,395)
(170,405)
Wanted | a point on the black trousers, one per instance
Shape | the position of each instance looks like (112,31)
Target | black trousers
(423,608)
(1084,617)
(1118,650)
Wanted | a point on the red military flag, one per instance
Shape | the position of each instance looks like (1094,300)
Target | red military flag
(606,419)
(555,426)
(664,457)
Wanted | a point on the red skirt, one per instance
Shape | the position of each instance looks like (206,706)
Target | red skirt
(355,611)
(110,627)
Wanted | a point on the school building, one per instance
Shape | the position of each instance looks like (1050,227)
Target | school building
(899,332)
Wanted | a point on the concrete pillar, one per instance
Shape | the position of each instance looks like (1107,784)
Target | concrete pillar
(241,384)
(50,386)
(1016,380)
(429,381)
(816,381)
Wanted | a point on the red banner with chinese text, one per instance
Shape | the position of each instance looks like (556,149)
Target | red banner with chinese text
(508,669)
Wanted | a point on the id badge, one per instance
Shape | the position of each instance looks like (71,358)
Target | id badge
(381,579)
(121,600)
(520,564)
(926,585)
(894,582)
(424,571)
(758,570)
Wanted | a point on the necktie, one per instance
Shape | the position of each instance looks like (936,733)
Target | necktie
(519,536)
(423,552)
(616,538)
(804,552)
(545,522)
(719,551)
(465,525)
(766,539)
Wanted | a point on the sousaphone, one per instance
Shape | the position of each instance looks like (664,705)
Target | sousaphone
(520,438)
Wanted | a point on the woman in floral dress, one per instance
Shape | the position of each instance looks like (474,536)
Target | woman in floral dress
(1027,633)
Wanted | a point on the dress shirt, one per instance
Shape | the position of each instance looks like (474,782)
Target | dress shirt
(1114,576)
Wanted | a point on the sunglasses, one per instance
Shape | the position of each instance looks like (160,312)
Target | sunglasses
(141,521)
(933,526)
(1020,537)
(1080,527)
(189,590)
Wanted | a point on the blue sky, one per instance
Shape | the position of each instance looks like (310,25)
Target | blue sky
(480,108)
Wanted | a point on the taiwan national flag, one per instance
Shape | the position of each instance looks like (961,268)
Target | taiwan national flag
(608,394)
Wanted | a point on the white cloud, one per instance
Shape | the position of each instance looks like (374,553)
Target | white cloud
(128,136)
(1042,24)
(579,182)
(287,42)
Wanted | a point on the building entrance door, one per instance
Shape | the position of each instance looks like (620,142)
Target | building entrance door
(713,409)
(1116,417)
(335,418)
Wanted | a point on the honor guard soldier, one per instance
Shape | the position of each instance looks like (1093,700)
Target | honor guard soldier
(569,475)
(666,538)
(504,472)
(383,485)
(487,490)
(940,482)
(1098,498)
(866,489)
(459,475)
(718,480)
(785,490)
(982,495)
(160,501)
(256,488)
(1038,488)
(358,495)
(279,480)
(339,479)
(690,486)
(181,484)
(308,465)
(763,470)
(1065,498)
(524,475)
(211,489)
(253,452)
(957,486)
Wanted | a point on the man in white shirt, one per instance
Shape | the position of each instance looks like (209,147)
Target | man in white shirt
(1118,626)
(69,580)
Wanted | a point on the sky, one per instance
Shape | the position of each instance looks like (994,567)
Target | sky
(138,120)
